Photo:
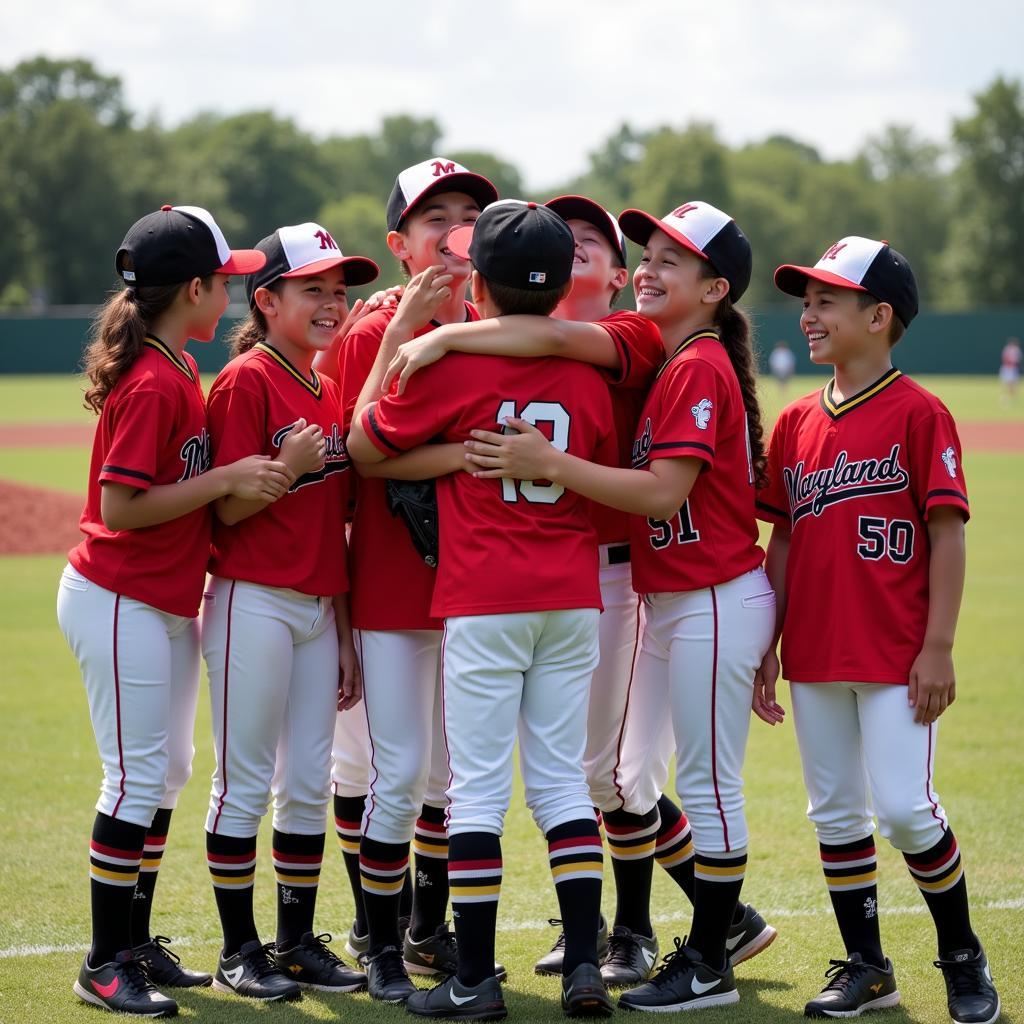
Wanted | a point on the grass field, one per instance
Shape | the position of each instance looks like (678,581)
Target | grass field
(49,774)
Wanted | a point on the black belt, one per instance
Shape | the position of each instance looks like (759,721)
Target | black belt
(618,554)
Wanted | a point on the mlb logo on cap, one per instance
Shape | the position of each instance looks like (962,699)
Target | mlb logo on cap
(538,277)
(435,175)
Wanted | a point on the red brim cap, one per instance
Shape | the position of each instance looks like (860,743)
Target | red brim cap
(581,208)
(358,269)
(793,280)
(243,261)
(638,227)
(459,240)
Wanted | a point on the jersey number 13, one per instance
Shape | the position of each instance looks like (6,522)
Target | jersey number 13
(536,413)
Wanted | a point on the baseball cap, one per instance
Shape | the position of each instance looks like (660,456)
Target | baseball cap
(581,208)
(863,265)
(704,230)
(178,243)
(518,244)
(301,250)
(429,177)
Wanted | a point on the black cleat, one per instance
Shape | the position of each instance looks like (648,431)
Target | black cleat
(314,965)
(584,993)
(750,936)
(164,968)
(451,1000)
(970,993)
(551,963)
(386,977)
(123,987)
(252,972)
(437,954)
(854,987)
(630,958)
(684,982)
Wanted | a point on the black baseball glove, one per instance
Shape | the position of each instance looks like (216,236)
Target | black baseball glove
(415,501)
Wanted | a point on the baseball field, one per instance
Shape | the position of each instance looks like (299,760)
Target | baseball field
(49,773)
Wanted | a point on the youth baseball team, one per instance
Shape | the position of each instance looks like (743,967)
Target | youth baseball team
(597,592)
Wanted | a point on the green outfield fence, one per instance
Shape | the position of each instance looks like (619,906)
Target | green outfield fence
(51,342)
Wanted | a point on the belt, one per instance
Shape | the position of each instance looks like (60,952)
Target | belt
(614,554)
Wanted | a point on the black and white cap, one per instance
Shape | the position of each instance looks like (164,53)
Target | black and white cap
(863,265)
(438,174)
(301,250)
(581,208)
(704,230)
(518,244)
(176,244)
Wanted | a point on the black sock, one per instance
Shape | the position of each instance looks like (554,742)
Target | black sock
(430,895)
(674,846)
(297,862)
(718,879)
(152,854)
(115,854)
(851,874)
(232,864)
(631,843)
(474,879)
(384,869)
(405,896)
(348,823)
(577,864)
(939,874)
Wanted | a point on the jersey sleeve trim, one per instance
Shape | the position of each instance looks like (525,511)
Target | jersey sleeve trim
(110,472)
(664,448)
(946,496)
(377,436)
(772,513)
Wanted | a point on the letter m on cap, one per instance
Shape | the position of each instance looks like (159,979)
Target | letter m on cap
(681,211)
(443,168)
(833,251)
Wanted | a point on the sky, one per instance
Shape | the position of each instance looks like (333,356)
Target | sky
(541,83)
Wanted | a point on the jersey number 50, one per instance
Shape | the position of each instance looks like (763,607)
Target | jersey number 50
(536,413)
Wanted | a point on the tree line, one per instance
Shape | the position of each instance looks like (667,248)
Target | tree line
(79,167)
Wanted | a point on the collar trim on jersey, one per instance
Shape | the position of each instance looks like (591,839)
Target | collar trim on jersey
(685,344)
(165,350)
(468,317)
(836,409)
(314,386)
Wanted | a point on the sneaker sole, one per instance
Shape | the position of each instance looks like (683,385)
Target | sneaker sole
(313,987)
(756,945)
(882,1003)
(725,999)
(990,1020)
(491,1012)
(588,1006)
(287,997)
(88,997)
(625,983)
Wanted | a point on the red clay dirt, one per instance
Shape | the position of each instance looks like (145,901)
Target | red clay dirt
(46,435)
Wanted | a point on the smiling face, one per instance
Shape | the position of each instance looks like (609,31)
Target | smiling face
(423,240)
(595,268)
(304,313)
(837,325)
(669,282)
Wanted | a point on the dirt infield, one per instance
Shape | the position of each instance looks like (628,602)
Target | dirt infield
(37,520)
(992,437)
(46,435)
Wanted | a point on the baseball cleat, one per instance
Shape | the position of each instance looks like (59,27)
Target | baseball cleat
(437,954)
(684,982)
(748,937)
(313,965)
(358,946)
(386,977)
(584,993)
(551,963)
(630,958)
(452,1000)
(252,972)
(123,987)
(164,968)
(970,994)
(854,987)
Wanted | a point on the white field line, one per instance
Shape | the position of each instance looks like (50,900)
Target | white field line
(769,913)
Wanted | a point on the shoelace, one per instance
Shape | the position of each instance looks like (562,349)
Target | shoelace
(963,978)
(556,922)
(679,959)
(136,977)
(260,961)
(621,949)
(389,965)
(842,973)
(319,948)
(161,944)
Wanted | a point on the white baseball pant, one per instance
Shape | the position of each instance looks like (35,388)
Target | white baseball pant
(350,756)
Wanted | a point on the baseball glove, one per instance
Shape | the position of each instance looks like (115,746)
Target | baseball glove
(415,502)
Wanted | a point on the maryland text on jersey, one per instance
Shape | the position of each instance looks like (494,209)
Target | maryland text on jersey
(336,458)
(642,446)
(812,492)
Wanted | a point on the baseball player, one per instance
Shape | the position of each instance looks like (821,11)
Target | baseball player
(693,541)
(129,596)
(866,492)
(1009,369)
(399,640)
(519,645)
(275,620)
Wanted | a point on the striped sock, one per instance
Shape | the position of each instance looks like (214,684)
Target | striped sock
(348,824)
(297,863)
(115,854)
(383,868)
(717,881)
(851,874)
(430,895)
(474,880)
(674,846)
(631,842)
(577,866)
(939,874)
(232,864)
(152,854)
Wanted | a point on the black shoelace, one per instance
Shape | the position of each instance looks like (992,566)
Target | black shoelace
(556,922)
(260,960)
(842,973)
(672,963)
(621,949)
(159,944)
(319,948)
(963,978)
(136,976)
(389,965)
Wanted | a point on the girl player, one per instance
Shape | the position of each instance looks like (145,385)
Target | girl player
(693,540)
(129,597)
(275,623)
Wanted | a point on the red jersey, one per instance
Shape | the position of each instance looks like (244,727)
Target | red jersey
(152,430)
(380,550)
(506,545)
(298,541)
(641,353)
(695,408)
(855,481)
